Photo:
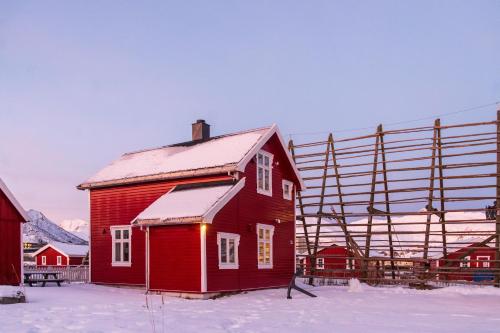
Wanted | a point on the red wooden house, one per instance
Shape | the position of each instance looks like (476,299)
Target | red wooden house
(60,254)
(333,261)
(473,262)
(12,215)
(212,215)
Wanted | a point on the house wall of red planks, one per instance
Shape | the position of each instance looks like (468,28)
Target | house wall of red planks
(10,242)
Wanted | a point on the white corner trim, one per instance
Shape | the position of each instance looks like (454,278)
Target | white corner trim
(236,238)
(203,258)
(13,200)
(212,211)
(271,236)
(258,146)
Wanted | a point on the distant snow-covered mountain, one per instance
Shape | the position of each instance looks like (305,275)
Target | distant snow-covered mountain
(77,227)
(40,229)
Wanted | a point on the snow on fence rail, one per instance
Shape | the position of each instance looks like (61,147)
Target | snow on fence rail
(410,206)
(68,273)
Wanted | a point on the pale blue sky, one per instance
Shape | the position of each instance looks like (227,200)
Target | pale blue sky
(83,82)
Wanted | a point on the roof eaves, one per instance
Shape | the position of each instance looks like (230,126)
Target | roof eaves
(161,176)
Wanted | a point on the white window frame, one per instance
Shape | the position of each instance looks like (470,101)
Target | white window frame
(236,239)
(113,241)
(44,260)
(288,196)
(264,227)
(320,263)
(464,264)
(483,259)
(264,168)
(59,260)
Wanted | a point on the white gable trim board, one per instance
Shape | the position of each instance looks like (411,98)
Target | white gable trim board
(13,200)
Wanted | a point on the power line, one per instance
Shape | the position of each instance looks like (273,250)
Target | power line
(400,122)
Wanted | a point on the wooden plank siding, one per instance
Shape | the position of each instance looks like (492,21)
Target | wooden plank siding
(10,242)
(118,206)
(241,216)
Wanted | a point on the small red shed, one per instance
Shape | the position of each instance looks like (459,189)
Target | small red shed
(333,262)
(61,254)
(473,262)
(12,215)
(211,215)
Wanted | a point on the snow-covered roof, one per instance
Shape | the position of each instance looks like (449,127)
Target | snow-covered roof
(191,205)
(70,250)
(13,200)
(219,154)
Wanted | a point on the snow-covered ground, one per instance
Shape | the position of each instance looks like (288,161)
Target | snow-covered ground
(89,308)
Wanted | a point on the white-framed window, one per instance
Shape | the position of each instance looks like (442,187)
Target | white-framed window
(228,250)
(287,189)
(465,263)
(44,260)
(265,234)
(320,263)
(483,261)
(59,260)
(264,173)
(121,245)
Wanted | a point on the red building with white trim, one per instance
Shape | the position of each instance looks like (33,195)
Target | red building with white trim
(215,214)
(12,215)
(60,254)
(333,261)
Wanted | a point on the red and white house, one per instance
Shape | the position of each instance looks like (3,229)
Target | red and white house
(212,215)
(12,215)
(61,254)
(333,261)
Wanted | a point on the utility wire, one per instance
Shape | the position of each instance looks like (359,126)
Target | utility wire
(400,122)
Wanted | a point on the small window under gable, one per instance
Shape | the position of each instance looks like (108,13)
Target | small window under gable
(287,189)
(44,260)
(228,250)
(320,263)
(59,260)
(264,173)
(265,234)
(121,245)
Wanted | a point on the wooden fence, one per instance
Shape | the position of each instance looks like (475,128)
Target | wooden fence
(68,273)
(414,205)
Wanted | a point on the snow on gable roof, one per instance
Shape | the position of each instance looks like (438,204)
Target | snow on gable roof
(220,154)
(13,200)
(70,250)
(192,205)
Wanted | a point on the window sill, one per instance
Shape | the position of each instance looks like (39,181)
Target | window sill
(232,266)
(121,264)
(262,266)
(268,193)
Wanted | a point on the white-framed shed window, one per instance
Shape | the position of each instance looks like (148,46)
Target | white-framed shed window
(483,261)
(320,263)
(264,173)
(59,260)
(44,260)
(228,250)
(121,245)
(265,234)
(465,263)
(287,189)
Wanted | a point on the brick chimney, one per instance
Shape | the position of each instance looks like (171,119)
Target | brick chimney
(200,130)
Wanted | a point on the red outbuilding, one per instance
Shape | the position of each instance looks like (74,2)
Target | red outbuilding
(61,254)
(333,261)
(211,215)
(473,262)
(12,215)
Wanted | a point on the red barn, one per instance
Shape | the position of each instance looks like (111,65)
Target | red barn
(60,254)
(12,215)
(333,262)
(212,215)
(471,263)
